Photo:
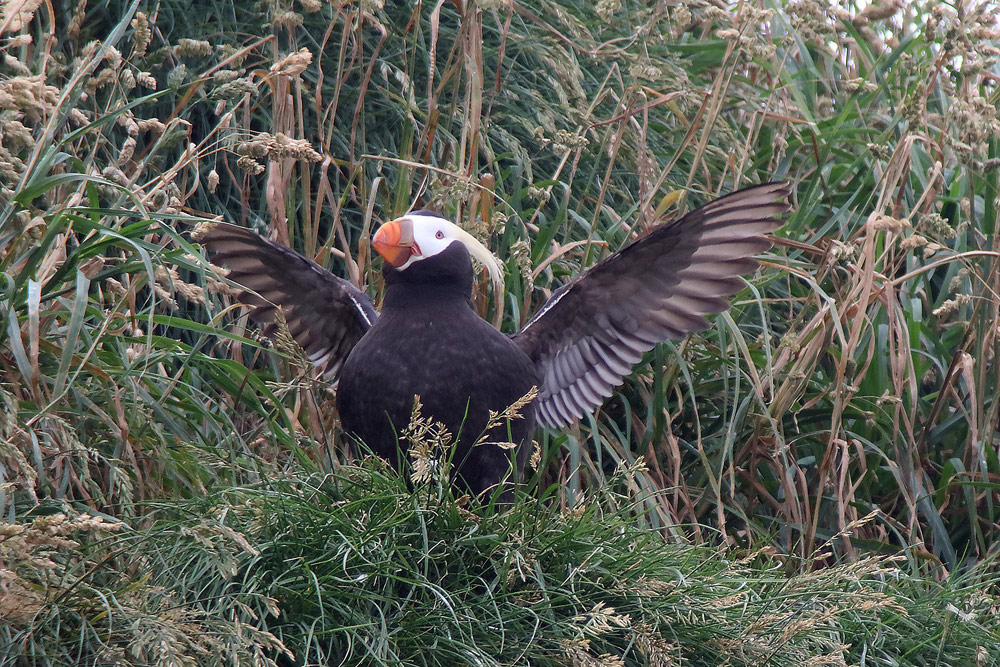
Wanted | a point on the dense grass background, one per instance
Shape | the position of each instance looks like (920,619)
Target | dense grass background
(824,460)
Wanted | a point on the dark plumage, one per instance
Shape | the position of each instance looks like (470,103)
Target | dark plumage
(428,341)
(427,324)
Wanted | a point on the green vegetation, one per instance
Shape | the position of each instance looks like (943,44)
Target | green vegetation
(355,566)
(814,479)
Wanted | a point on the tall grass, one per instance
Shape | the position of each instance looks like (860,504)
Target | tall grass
(844,408)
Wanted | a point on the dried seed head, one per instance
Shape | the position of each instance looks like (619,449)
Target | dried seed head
(912,242)
(78,117)
(128,149)
(176,76)
(288,20)
(566,141)
(146,80)
(936,226)
(235,89)
(75,23)
(16,136)
(293,63)
(224,76)
(153,125)
(113,58)
(429,442)
(874,13)
(601,620)
(15,65)
(279,147)
(142,35)
(536,455)
(951,306)
(249,165)
(17,14)
(192,48)
(879,222)
(607,9)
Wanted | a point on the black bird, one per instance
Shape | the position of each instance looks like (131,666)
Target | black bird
(429,342)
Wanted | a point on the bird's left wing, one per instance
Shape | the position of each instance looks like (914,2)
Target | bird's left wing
(325,314)
(588,335)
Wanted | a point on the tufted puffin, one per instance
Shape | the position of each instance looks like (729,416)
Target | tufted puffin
(428,342)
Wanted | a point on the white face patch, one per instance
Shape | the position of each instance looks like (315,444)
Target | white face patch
(432,235)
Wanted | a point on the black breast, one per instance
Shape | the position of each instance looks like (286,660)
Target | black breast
(428,342)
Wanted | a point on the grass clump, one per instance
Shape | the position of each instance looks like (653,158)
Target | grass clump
(356,568)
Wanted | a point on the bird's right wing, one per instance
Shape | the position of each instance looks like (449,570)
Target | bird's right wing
(588,335)
(325,314)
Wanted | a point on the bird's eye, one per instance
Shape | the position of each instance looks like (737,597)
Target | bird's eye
(439,234)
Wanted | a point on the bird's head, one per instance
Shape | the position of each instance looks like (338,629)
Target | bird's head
(421,235)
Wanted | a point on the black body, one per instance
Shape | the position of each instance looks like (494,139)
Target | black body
(429,342)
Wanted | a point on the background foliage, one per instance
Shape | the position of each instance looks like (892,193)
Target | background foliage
(843,414)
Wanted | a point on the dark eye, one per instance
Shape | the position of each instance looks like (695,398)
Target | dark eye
(439,234)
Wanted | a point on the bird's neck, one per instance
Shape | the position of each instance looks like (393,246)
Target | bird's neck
(400,295)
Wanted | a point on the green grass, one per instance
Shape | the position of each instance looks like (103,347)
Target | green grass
(842,412)
(355,567)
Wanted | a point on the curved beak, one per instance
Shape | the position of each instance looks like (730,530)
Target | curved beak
(394,241)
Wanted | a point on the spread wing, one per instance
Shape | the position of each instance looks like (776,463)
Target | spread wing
(325,314)
(588,335)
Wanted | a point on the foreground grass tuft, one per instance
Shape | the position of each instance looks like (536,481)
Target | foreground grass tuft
(855,377)
(356,568)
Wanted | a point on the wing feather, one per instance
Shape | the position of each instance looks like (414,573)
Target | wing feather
(591,332)
(326,315)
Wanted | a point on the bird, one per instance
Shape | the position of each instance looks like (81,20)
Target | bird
(428,345)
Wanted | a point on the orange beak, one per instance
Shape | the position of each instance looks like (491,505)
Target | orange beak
(394,241)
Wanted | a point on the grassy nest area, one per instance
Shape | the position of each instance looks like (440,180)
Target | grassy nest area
(813,480)
(356,568)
